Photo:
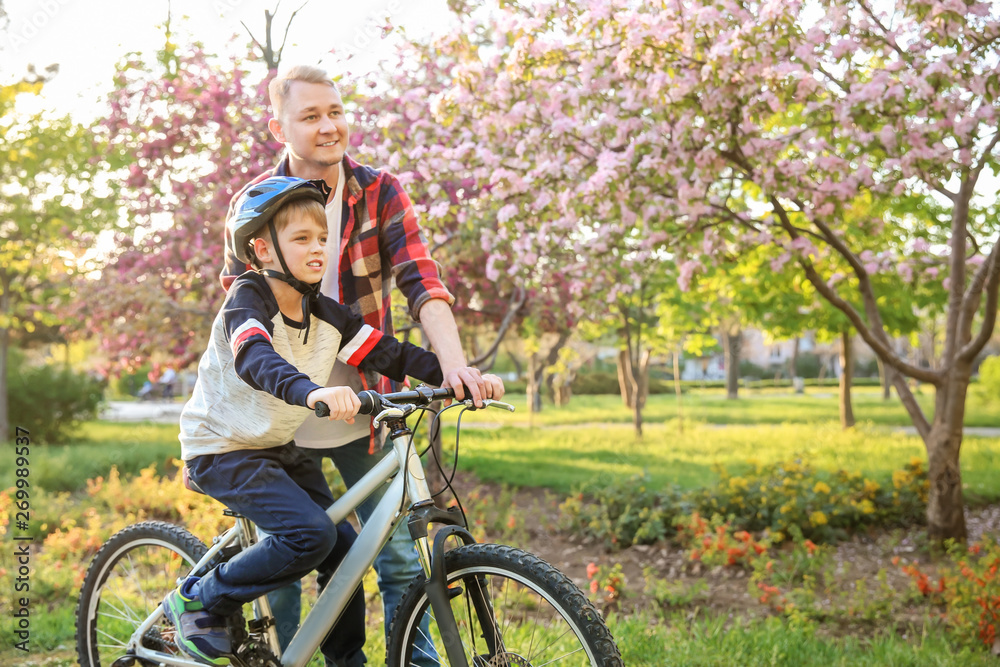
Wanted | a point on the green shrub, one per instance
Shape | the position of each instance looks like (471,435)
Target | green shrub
(807,365)
(750,369)
(595,383)
(989,380)
(781,499)
(624,513)
(50,401)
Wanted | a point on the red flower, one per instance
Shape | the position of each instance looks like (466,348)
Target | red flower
(591,570)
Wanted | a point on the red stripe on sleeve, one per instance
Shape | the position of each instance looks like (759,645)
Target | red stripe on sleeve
(373,338)
(246,334)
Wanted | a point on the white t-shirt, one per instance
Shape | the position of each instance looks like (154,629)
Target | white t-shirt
(322,433)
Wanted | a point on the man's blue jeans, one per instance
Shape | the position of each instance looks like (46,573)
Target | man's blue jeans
(396,565)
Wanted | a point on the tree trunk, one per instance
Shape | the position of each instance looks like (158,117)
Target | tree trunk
(885,377)
(945,502)
(677,392)
(732,339)
(793,361)
(846,377)
(562,389)
(640,384)
(518,369)
(535,373)
(624,384)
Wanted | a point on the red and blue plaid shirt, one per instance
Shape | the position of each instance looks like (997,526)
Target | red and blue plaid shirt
(378,222)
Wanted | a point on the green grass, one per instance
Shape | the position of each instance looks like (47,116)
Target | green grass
(764,406)
(718,641)
(562,458)
(97,447)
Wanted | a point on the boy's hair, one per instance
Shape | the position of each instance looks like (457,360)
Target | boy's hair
(305,207)
(278,89)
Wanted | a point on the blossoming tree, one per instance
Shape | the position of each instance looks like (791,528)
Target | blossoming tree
(711,124)
(192,131)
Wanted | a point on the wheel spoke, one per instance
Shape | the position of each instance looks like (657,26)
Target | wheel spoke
(129,575)
(530,612)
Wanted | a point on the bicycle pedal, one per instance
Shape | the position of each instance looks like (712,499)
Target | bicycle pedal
(455,592)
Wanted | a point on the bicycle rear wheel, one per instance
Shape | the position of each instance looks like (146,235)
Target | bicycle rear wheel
(513,610)
(128,578)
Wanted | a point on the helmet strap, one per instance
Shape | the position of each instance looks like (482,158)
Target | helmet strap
(309,291)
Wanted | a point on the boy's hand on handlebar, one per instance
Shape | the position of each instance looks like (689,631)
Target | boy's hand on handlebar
(480,386)
(342,401)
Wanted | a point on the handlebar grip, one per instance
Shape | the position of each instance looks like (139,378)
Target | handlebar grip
(322,409)
(369,402)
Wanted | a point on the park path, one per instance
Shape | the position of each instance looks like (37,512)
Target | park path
(169,413)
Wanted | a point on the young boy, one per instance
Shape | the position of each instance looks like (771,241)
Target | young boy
(275,339)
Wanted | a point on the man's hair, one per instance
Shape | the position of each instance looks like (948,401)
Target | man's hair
(305,207)
(278,88)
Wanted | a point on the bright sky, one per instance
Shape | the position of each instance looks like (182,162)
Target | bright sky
(88,37)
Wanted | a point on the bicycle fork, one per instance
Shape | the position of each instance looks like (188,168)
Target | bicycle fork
(423,513)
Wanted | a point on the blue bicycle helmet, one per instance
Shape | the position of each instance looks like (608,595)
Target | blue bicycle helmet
(256,207)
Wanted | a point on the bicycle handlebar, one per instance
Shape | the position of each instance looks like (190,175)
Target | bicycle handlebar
(372,402)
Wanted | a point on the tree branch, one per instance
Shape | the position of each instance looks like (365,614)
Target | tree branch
(912,407)
(974,347)
(974,176)
(288,25)
(879,343)
(517,300)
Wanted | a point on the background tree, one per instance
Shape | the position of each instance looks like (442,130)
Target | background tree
(57,196)
(681,113)
(192,130)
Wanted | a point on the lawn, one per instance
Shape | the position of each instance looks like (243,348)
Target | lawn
(757,406)
(592,440)
(564,458)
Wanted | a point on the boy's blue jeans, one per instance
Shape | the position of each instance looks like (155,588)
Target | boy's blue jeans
(285,493)
(396,565)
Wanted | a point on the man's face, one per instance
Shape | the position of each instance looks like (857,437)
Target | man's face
(312,125)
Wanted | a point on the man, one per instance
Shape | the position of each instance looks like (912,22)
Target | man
(374,238)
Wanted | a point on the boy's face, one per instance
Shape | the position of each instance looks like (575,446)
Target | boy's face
(303,245)
(312,124)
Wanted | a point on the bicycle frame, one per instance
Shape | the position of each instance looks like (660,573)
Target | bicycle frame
(349,574)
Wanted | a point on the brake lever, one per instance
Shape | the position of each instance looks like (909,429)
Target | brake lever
(394,411)
(488,403)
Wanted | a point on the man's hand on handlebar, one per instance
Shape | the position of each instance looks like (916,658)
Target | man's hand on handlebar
(342,401)
(480,386)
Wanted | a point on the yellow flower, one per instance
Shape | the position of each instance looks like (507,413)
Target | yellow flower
(867,507)
(738,483)
(821,487)
(871,486)
(817,518)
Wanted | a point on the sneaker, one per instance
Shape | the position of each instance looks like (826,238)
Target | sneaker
(201,635)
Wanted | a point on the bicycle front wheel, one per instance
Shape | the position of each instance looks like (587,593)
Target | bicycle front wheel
(513,610)
(127,580)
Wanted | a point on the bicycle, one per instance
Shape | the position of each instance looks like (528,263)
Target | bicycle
(489,605)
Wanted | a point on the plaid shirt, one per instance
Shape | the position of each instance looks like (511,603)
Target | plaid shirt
(378,222)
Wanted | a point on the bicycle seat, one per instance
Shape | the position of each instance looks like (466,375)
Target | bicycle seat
(189,483)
